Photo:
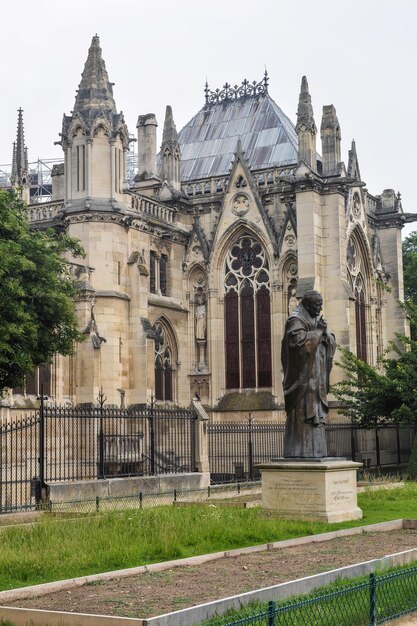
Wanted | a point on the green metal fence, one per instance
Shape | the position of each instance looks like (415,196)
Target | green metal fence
(374,601)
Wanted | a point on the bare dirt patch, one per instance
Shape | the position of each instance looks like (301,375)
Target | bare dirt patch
(152,594)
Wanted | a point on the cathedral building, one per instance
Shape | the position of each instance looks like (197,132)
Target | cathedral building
(192,268)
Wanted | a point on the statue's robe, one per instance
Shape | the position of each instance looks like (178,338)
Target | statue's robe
(307,356)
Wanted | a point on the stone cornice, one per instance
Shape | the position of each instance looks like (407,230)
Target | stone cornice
(112,294)
(166,302)
(389,220)
(136,222)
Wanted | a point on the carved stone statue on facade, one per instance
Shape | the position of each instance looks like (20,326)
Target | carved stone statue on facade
(200,316)
(92,330)
(292,300)
(307,356)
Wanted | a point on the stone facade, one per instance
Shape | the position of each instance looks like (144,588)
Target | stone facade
(192,267)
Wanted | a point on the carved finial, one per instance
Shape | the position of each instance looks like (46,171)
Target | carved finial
(266,80)
(206,92)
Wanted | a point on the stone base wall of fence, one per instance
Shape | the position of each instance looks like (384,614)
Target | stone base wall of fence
(122,487)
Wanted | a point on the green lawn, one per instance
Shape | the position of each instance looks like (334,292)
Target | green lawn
(56,549)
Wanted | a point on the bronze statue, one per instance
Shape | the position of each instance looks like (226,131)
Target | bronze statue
(307,356)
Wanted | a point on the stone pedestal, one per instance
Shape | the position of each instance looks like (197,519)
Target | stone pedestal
(201,344)
(317,489)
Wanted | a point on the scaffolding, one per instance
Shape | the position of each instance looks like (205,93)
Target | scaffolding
(40,175)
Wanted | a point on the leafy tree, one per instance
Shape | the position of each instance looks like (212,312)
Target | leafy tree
(383,395)
(388,393)
(410,276)
(410,267)
(37,317)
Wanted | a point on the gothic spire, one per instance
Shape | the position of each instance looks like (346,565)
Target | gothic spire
(306,127)
(170,152)
(21,155)
(95,91)
(20,165)
(305,110)
(353,163)
(169,134)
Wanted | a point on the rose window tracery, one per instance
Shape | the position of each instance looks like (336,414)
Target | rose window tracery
(246,264)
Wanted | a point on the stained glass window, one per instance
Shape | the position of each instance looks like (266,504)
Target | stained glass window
(247,316)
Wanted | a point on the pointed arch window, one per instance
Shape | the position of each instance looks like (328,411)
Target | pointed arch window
(163,366)
(247,316)
(360,320)
(355,266)
(158,273)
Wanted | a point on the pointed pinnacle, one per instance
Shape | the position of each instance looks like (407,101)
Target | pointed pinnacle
(304,85)
(95,90)
(170,131)
(305,115)
(20,142)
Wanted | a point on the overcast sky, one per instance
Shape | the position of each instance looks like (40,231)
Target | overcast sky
(360,56)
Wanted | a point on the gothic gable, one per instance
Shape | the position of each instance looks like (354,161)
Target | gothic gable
(242,204)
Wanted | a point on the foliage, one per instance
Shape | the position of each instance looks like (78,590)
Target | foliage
(387,394)
(410,276)
(410,267)
(412,463)
(37,317)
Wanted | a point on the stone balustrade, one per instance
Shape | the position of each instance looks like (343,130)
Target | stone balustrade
(153,209)
(45,211)
(217,185)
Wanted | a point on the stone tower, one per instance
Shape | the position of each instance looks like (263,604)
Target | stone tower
(20,167)
(330,141)
(95,141)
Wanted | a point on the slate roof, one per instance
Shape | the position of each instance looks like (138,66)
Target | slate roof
(208,142)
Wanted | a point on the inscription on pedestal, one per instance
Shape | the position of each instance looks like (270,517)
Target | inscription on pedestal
(293,493)
(325,491)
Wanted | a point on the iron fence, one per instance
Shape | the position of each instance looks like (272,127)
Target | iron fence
(80,443)
(367,603)
(19,463)
(236,448)
(104,442)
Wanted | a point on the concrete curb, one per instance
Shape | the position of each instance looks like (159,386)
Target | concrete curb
(197,614)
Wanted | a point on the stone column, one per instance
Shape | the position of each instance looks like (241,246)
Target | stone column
(201,438)
(112,169)
(89,168)
(68,173)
